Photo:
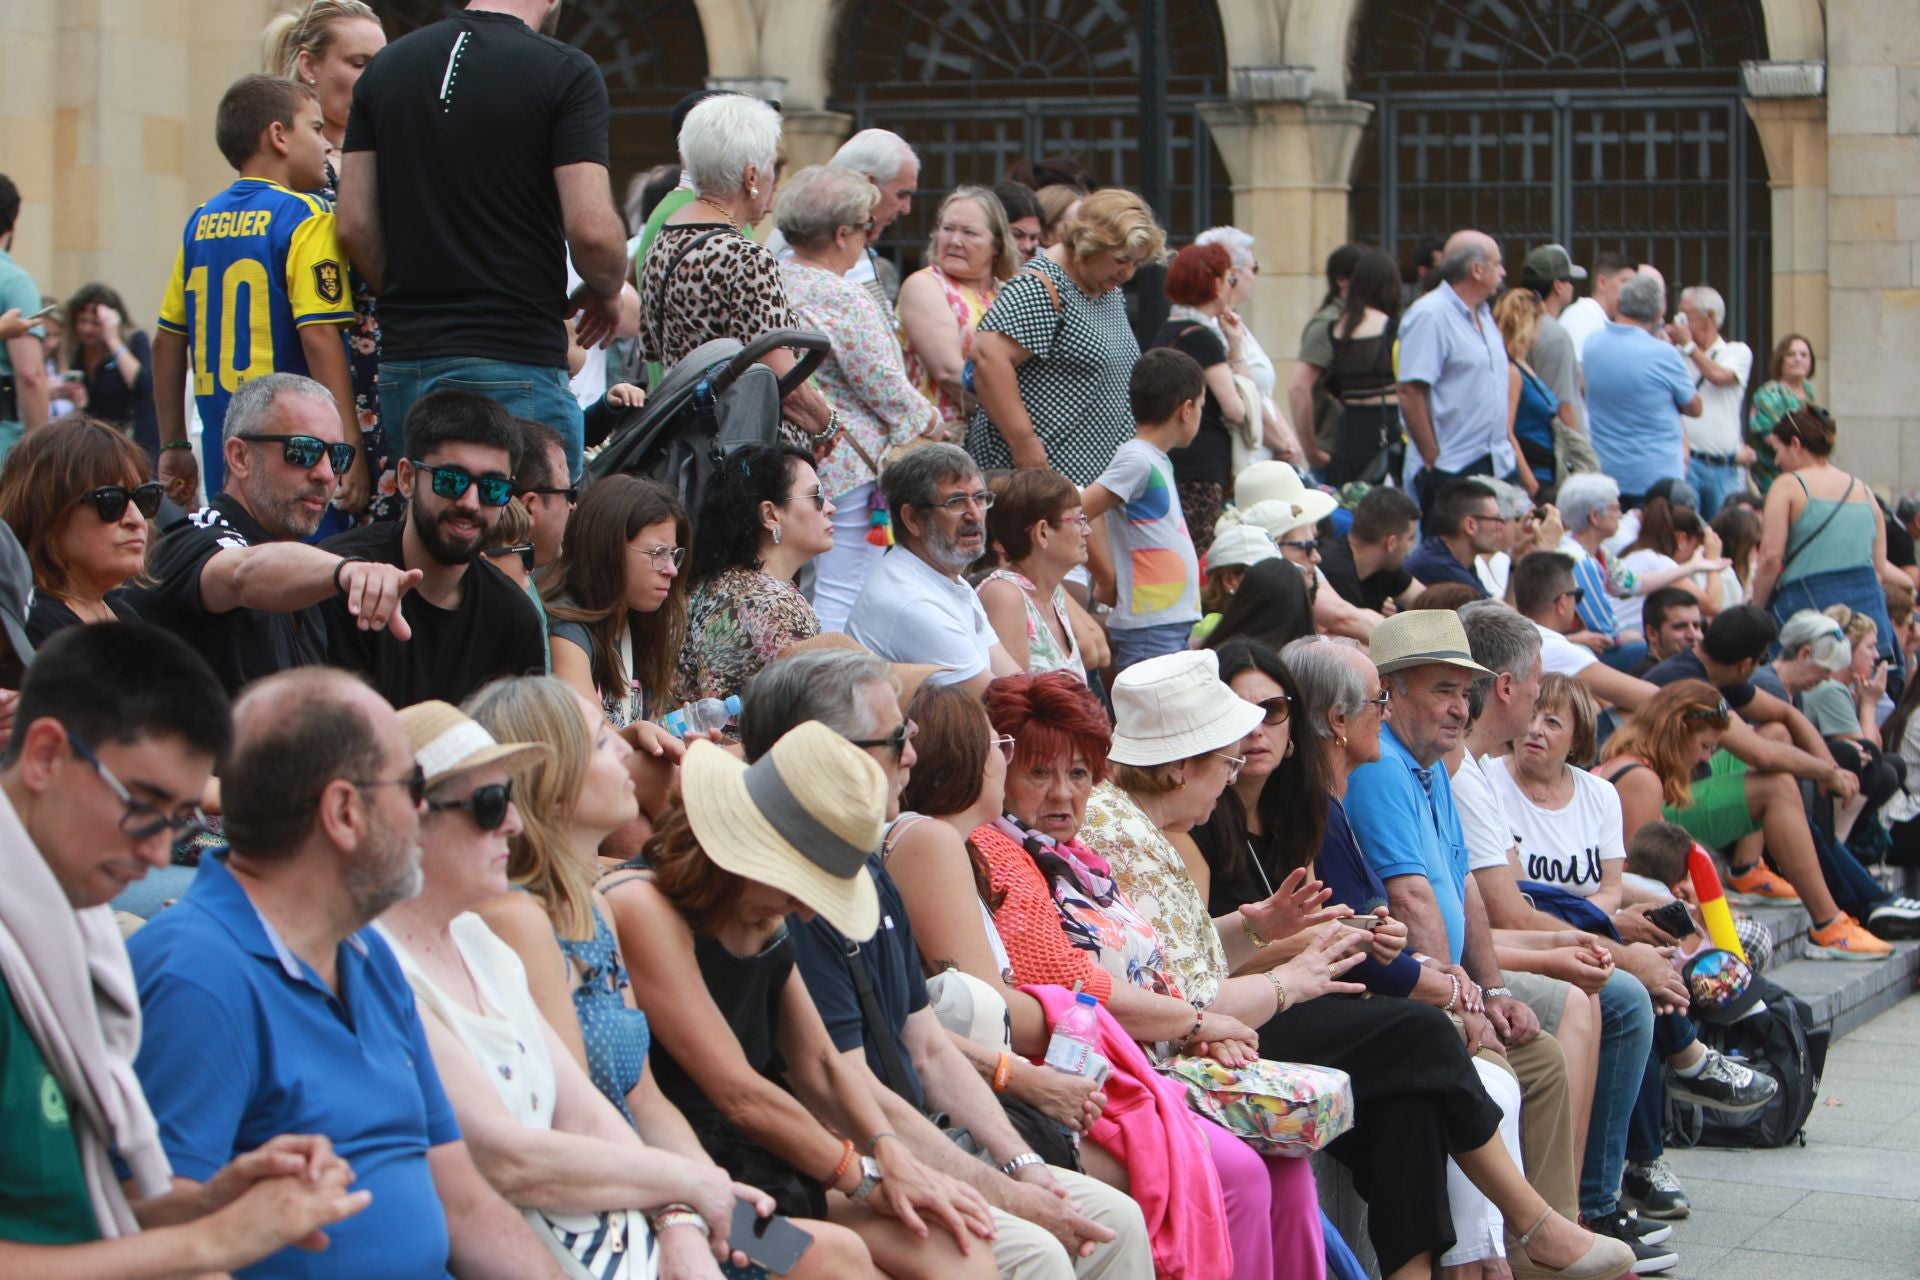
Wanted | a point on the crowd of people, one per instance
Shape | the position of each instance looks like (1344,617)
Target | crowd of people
(387,900)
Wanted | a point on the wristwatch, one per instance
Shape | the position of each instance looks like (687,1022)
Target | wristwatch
(870,1175)
(1503,993)
(1021,1161)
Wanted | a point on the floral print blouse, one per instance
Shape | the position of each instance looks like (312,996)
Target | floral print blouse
(1148,871)
(738,621)
(1044,653)
(1772,401)
(864,378)
(968,305)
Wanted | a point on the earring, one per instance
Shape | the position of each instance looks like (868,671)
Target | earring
(776,535)
(1288,753)
(1342,740)
(753,193)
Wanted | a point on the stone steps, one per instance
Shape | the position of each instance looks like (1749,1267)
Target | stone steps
(1843,994)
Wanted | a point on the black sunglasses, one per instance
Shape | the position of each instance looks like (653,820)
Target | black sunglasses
(524,551)
(1718,715)
(488,804)
(415,783)
(895,742)
(111,500)
(452,482)
(571,495)
(305,451)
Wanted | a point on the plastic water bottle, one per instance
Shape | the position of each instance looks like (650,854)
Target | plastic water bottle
(703,716)
(1072,1048)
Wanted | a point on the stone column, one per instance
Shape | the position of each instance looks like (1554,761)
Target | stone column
(813,136)
(1793,134)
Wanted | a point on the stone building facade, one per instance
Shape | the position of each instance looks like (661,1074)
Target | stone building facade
(1306,122)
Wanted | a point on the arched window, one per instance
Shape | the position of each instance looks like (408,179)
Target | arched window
(1599,124)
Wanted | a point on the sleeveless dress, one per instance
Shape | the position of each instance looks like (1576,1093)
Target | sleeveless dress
(616,1034)
(1829,560)
(1043,647)
(967,305)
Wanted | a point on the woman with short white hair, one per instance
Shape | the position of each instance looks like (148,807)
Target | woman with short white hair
(704,277)
(1254,364)
(825,212)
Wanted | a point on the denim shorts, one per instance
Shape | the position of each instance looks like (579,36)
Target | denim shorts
(536,392)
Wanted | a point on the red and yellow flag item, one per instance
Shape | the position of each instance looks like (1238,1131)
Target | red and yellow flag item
(1713,902)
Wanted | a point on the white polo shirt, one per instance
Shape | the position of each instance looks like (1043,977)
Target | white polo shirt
(1717,430)
(908,611)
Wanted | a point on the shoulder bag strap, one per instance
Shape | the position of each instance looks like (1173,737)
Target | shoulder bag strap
(1831,516)
(885,1042)
(1053,296)
(659,302)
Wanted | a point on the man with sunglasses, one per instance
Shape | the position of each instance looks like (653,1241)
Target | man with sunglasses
(94,788)
(469,622)
(540,484)
(236,578)
(271,1007)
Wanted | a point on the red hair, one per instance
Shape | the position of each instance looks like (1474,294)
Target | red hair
(1050,717)
(1195,274)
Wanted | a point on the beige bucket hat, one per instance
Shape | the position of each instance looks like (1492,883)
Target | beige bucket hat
(1417,637)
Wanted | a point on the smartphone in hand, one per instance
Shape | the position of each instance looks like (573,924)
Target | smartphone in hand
(773,1242)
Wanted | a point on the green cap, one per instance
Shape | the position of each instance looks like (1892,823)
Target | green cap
(1549,263)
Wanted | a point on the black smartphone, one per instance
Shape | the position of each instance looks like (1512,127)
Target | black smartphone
(1672,919)
(773,1242)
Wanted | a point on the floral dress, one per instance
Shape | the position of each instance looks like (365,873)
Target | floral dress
(1044,653)
(737,622)
(967,305)
(1772,401)
(1148,871)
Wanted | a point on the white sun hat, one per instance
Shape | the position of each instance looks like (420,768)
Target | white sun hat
(1240,546)
(1174,707)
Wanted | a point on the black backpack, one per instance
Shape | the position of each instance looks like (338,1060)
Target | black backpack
(1778,1042)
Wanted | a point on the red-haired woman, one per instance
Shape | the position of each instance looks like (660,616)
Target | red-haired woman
(1202,277)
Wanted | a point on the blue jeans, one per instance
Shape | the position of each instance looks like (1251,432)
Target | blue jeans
(1646,1129)
(1140,643)
(1715,482)
(534,391)
(1626,1040)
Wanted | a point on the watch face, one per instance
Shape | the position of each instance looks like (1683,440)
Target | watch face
(870,1168)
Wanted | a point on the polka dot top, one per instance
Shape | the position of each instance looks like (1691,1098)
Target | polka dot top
(616,1034)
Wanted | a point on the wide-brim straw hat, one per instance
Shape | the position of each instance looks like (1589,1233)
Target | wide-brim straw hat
(446,741)
(1176,706)
(911,675)
(802,819)
(1421,637)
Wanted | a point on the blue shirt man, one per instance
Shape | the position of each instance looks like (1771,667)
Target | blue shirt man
(1407,825)
(1450,344)
(1637,388)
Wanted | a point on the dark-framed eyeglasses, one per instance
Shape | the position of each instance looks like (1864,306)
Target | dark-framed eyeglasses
(487,804)
(1275,710)
(1579,595)
(524,551)
(415,783)
(673,557)
(111,500)
(572,495)
(981,498)
(1005,743)
(138,819)
(305,451)
(451,482)
(895,742)
(1716,715)
(817,496)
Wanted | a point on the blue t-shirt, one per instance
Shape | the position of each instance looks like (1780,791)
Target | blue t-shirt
(1635,386)
(1432,563)
(1404,818)
(242,1041)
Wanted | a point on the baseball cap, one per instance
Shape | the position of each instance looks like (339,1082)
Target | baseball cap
(1549,263)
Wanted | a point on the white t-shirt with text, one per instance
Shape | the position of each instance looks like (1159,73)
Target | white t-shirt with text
(1562,847)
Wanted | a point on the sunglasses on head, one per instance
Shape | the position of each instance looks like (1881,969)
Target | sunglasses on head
(487,804)
(1720,714)
(305,451)
(111,500)
(451,482)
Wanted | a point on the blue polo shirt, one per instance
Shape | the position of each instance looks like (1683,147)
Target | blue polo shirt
(1407,825)
(1636,384)
(243,1040)
(1460,356)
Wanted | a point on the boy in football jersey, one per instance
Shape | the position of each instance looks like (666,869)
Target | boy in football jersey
(259,286)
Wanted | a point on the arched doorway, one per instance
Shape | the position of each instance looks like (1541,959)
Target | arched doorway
(975,85)
(1600,124)
(652,53)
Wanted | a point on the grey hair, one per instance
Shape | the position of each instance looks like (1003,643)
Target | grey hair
(879,153)
(818,684)
(1502,641)
(819,200)
(1583,494)
(1811,628)
(723,136)
(250,411)
(1459,264)
(916,477)
(1237,243)
(1327,678)
(1704,297)
(1643,298)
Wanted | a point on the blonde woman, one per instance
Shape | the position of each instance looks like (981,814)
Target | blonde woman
(970,255)
(1532,408)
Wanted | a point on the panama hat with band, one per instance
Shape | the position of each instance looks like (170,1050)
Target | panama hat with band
(1420,637)
(802,819)
(447,741)
(1174,707)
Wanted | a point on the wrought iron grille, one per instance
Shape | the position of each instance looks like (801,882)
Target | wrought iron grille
(1598,124)
(652,53)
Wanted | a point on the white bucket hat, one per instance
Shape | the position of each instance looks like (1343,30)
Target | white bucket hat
(1240,546)
(1277,481)
(803,818)
(1175,706)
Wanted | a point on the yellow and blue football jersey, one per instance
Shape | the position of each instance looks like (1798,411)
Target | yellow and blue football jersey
(257,263)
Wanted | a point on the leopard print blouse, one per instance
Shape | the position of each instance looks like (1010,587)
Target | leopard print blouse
(728,287)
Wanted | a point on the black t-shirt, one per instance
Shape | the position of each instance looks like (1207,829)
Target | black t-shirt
(242,644)
(1686,665)
(495,630)
(1899,541)
(50,615)
(1371,592)
(1209,459)
(469,118)
(891,959)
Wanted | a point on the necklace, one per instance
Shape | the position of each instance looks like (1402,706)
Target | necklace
(1543,796)
(722,209)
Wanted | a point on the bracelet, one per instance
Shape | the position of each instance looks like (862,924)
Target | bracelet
(1279,992)
(1453,999)
(175,444)
(1502,993)
(827,432)
(118,351)
(874,1141)
(340,568)
(1246,927)
(1021,1161)
(1198,1018)
(678,1218)
(1002,1073)
(846,1162)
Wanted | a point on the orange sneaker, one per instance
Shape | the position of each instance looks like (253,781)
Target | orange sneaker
(1844,939)
(1761,882)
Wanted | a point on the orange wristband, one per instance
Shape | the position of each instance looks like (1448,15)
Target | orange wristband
(846,1162)
(1002,1073)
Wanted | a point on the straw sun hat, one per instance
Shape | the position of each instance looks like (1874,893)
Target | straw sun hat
(447,741)
(1175,706)
(802,819)
(1420,637)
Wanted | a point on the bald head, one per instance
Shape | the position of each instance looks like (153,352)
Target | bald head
(1472,266)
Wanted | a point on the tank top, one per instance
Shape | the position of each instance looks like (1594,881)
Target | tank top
(967,305)
(1830,534)
(746,989)
(1362,368)
(616,1034)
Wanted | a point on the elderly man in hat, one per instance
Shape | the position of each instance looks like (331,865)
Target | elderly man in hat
(1402,810)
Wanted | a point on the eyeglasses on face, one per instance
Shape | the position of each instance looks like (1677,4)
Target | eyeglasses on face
(571,495)
(1084,520)
(451,482)
(1308,545)
(1276,709)
(487,804)
(1380,703)
(524,551)
(895,742)
(138,819)
(662,558)
(111,500)
(1234,765)
(1579,594)
(415,783)
(817,496)
(959,502)
(306,451)
(1005,743)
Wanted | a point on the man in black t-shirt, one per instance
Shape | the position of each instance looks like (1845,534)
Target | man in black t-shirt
(470,622)
(1365,567)
(235,578)
(476,159)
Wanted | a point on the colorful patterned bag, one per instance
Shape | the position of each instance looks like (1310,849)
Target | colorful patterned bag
(1277,1108)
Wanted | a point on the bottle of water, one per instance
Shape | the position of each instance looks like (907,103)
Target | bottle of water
(1073,1048)
(703,716)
